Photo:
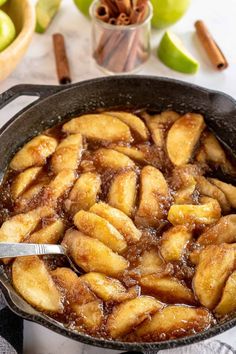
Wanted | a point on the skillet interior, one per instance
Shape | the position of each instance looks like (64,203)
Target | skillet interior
(153,93)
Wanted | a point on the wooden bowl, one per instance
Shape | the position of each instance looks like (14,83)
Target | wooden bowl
(22,12)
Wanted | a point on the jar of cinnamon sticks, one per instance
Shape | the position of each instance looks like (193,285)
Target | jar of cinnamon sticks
(121,34)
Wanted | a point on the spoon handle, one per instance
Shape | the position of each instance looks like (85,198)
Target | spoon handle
(28,249)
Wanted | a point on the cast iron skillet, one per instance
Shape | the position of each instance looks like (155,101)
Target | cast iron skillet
(56,104)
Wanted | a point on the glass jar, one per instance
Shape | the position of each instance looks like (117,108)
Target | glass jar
(120,48)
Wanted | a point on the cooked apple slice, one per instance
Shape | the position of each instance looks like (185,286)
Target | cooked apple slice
(204,200)
(33,282)
(216,263)
(183,136)
(74,290)
(155,126)
(185,195)
(51,233)
(99,228)
(108,158)
(19,226)
(201,156)
(84,192)
(132,152)
(184,183)
(61,184)
(93,256)
(150,262)
(171,319)
(229,168)
(206,188)
(68,153)
(90,315)
(106,288)
(119,220)
(23,181)
(34,153)
(134,122)
(24,201)
(206,213)
(173,243)
(122,193)
(228,189)
(182,176)
(153,195)
(195,255)
(82,301)
(227,303)
(31,197)
(211,151)
(158,124)
(224,231)
(130,314)
(167,289)
(67,280)
(99,127)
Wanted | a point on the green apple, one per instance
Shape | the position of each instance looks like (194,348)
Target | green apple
(46,10)
(2,2)
(167,12)
(173,54)
(7,30)
(83,6)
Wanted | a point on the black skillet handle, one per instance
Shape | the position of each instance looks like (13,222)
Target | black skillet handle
(41,91)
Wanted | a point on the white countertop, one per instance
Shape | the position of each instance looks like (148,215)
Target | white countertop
(38,67)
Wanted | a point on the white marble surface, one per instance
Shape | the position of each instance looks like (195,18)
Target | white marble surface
(38,67)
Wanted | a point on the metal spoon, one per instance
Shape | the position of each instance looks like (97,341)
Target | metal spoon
(33,249)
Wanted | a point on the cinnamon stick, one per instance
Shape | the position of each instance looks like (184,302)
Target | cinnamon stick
(213,51)
(126,21)
(132,57)
(123,54)
(107,38)
(113,10)
(122,20)
(135,47)
(119,50)
(99,52)
(124,6)
(106,48)
(121,16)
(137,14)
(102,13)
(112,21)
(141,3)
(117,60)
(62,64)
